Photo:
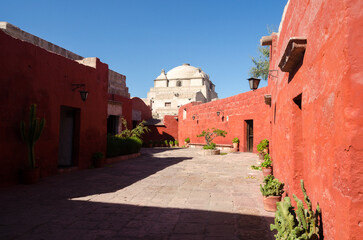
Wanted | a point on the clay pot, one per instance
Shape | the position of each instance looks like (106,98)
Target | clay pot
(269,203)
(186,144)
(235,145)
(266,171)
(208,152)
(30,176)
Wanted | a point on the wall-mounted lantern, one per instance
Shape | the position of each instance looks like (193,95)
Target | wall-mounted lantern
(193,117)
(254,83)
(82,91)
(218,113)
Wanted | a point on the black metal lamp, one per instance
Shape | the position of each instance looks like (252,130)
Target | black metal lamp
(218,113)
(254,83)
(193,117)
(83,92)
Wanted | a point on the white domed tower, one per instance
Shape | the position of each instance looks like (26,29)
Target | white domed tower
(179,86)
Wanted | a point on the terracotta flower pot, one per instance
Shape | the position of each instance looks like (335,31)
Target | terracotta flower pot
(235,145)
(266,171)
(269,203)
(30,176)
(208,152)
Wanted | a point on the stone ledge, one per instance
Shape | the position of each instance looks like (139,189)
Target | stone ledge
(293,55)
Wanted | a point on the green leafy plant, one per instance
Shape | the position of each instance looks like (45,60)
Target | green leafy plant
(256,167)
(117,145)
(266,164)
(223,153)
(300,224)
(210,135)
(235,140)
(187,140)
(166,143)
(171,142)
(31,134)
(176,143)
(138,131)
(272,187)
(262,145)
(211,146)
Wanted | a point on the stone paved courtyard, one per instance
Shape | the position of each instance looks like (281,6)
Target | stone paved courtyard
(164,194)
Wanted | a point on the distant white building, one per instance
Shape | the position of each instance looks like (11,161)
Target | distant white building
(179,86)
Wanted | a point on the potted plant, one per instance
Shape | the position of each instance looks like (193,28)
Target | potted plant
(150,144)
(186,142)
(235,142)
(171,142)
(300,223)
(267,165)
(166,143)
(272,192)
(262,148)
(210,148)
(98,159)
(176,143)
(30,136)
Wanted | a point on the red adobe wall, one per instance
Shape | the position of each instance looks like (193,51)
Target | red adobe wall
(167,131)
(30,74)
(322,142)
(245,106)
(138,104)
(126,107)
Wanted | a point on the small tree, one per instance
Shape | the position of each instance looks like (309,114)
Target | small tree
(261,64)
(209,136)
(138,131)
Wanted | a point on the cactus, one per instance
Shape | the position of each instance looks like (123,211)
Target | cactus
(31,136)
(272,187)
(302,224)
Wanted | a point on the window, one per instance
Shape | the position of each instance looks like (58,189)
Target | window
(184,113)
(178,83)
(168,104)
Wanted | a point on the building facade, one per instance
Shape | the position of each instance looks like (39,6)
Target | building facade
(179,86)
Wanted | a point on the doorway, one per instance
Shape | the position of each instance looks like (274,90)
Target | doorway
(67,132)
(249,135)
(112,124)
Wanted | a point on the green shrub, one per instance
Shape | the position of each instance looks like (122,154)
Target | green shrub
(117,145)
(176,143)
(171,142)
(187,140)
(272,187)
(166,143)
(266,164)
(262,145)
(235,140)
(211,146)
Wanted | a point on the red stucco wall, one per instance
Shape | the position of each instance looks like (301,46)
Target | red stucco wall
(321,143)
(139,105)
(245,106)
(30,74)
(167,131)
(126,107)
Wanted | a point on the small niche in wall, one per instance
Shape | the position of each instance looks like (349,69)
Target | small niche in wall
(297,100)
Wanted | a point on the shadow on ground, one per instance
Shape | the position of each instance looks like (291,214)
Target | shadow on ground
(95,220)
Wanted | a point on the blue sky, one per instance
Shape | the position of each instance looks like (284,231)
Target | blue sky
(138,38)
